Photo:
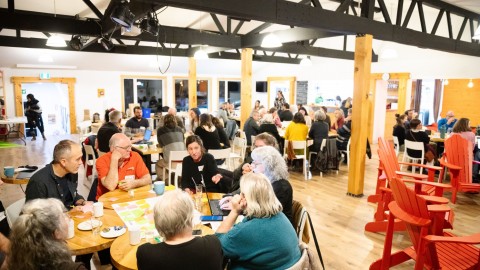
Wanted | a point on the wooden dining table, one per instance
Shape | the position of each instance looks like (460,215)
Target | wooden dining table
(15,181)
(85,242)
(123,254)
(120,196)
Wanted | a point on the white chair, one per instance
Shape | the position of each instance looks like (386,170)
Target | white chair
(221,154)
(396,145)
(13,211)
(285,124)
(413,146)
(83,128)
(347,153)
(298,145)
(239,147)
(178,172)
(90,162)
(175,157)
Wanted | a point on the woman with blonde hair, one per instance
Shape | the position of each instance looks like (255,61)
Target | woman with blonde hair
(38,238)
(173,215)
(265,239)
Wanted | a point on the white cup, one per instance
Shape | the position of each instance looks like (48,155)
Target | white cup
(135,235)
(71,229)
(98,209)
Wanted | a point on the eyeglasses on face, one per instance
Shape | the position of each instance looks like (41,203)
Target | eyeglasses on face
(128,147)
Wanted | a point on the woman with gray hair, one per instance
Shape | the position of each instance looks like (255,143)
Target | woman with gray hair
(319,131)
(173,216)
(264,239)
(38,238)
(267,160)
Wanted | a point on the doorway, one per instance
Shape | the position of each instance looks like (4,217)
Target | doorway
(55,111)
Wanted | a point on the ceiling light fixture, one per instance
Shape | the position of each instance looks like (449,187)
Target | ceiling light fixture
(54,40)
(470,84)
(121,15)
(306,62)
(476,36)
(150,24)
(200,54)
(445,82)
(271,41)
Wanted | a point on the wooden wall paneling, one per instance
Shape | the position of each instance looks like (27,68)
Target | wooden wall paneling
(246,85)
(463,101)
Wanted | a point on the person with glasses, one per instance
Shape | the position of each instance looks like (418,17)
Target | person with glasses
(121,167)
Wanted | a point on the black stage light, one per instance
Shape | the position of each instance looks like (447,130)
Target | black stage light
(106,44)
(121,15)
(150,24)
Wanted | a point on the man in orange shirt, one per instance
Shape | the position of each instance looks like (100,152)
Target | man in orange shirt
(121,168)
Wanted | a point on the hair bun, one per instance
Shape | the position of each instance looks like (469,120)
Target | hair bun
(397,115)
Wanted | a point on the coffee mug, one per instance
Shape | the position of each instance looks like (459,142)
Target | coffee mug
(98,209)
(135,235)
(8,171)
(159,187)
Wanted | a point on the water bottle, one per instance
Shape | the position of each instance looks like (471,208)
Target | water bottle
(443,129)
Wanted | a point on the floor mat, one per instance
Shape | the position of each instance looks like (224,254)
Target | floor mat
(9,145)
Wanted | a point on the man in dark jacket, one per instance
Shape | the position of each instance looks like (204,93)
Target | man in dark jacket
(251,127)
(285,114)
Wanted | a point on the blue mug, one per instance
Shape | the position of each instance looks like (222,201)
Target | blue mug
(8,171)
(159,187)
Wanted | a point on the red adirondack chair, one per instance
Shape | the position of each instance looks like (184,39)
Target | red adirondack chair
(390,168)
(432,247)
(458,158)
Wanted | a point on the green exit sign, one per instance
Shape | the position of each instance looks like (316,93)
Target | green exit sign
(24,91)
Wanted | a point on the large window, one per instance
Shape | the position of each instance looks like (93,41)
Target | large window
(181,94)
(147,92)
(229,90)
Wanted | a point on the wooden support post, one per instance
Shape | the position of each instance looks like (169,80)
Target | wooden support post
(192,83)
(360,114)
(246,86)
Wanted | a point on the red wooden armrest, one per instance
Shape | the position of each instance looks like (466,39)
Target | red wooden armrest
(384,189)
(438,208)
(412,175)
(421,165)
(402,215)
(435,199)
(448,165)
(471,239)
(433,184)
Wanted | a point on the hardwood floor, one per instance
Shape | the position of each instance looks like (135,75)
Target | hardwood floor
(338,219)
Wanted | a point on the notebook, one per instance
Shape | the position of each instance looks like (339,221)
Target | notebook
(146,137)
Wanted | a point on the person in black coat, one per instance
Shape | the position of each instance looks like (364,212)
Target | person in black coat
(399,129)
(208,132)
(319,131)
(416,134)
(221,132)
(269,127)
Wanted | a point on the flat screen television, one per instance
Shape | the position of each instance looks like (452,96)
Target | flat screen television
(261,87)
(233,86)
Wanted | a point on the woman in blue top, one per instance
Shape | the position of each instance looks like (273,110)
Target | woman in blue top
(265,239)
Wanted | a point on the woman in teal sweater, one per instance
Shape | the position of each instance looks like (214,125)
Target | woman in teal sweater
(265,239)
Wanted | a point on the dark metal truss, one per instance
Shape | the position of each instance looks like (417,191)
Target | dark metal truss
(308,20)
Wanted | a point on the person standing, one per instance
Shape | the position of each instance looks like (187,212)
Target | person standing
(279,101)
(34,117)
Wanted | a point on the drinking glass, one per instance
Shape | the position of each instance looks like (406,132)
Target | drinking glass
(95,229)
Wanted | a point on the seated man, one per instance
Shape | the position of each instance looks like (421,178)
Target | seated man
(121,168)
(285,114)
(59,179)
(107,130)
(136,122)
(251,127)
(447,122)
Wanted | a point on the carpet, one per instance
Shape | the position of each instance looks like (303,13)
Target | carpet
(9,145)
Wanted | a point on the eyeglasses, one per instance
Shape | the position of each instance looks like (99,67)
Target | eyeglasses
(129,147)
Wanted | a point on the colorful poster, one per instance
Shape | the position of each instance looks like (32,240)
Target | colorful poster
(138,213)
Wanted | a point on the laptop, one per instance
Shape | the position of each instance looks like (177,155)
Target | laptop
(215,208)
(146,137)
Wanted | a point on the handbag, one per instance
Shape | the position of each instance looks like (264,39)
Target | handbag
(290,152)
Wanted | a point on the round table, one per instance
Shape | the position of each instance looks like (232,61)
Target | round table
(15,181)
(85,242)
(120,196)
(124,255)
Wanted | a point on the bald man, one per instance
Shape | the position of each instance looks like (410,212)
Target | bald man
(448,122)
(121,168)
